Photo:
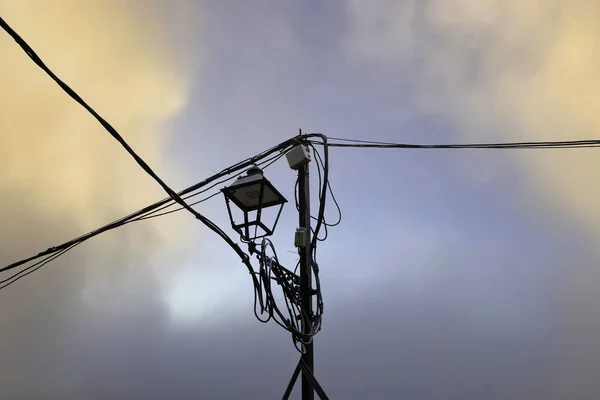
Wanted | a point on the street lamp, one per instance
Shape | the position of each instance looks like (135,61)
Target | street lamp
(251,194)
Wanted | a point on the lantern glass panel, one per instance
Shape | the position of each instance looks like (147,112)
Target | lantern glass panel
(245,193)
(252,194)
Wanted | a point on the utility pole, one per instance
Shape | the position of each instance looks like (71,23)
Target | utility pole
(299,159)
(248,193)
(306,278)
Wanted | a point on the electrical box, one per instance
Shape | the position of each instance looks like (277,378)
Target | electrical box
(300,237)
(298,156)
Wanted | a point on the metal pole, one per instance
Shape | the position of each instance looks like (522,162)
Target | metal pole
(306,277)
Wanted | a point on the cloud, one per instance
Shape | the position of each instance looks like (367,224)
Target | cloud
(511,70)
(499,71)
(63,175)
(116,69)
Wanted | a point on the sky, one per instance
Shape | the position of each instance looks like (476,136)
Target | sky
(453,275)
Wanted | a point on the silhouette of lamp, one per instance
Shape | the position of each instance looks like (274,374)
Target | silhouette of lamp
(252,193)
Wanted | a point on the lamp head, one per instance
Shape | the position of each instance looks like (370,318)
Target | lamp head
(253,193)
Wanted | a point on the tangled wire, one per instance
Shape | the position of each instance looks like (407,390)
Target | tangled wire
(285,306)
(273,275)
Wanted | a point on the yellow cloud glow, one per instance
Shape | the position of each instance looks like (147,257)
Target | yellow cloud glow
(114,58)
(55,153)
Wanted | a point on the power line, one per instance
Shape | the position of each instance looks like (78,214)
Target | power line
(265,157)
(32,268)
(264,165)
(113,132)
(172,194)
(356,143)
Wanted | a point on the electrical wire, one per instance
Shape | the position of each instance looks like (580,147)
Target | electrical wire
(113,132)
(320,166)
(339,210)
(326,225)
(356,143)
(324,185)
(31,269)
(263,164)
(270,270)
(323,189)
(264,158)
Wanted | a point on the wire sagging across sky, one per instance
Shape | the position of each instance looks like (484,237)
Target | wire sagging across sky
(161,207)
(113,132)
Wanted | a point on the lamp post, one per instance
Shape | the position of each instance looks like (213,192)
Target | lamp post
(251,194)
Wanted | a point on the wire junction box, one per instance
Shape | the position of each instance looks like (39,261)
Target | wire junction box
(298,156)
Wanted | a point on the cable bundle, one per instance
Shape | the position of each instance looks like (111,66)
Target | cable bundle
(158,209)
(562,144)
(270,270)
